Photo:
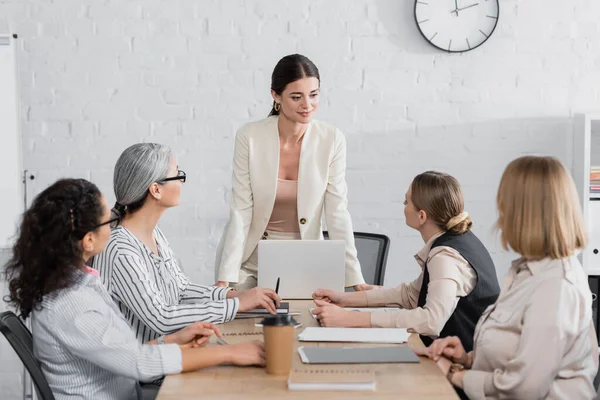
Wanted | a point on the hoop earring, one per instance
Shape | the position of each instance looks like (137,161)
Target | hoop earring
(277,107)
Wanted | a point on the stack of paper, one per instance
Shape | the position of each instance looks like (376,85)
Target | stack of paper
(364,335)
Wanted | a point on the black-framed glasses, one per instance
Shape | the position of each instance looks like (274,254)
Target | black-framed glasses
(181,176)
(112,222)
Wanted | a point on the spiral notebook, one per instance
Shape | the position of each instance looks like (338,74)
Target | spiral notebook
(332,379)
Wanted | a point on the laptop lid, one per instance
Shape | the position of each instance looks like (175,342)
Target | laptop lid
(303,266)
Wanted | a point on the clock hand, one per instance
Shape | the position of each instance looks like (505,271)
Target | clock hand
(464,8)
(456,7)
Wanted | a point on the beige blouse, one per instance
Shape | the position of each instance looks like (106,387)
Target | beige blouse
(284,217)
(450,278)
(537,341)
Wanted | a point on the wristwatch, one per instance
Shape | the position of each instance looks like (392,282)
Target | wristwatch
(454,368)
(161,339)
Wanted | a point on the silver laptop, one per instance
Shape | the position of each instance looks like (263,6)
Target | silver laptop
(302,266)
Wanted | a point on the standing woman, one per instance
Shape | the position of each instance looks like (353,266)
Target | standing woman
(288,170)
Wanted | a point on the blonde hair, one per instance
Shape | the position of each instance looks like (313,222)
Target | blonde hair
(441,197)
(538,209)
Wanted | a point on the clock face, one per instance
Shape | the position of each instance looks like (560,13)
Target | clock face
(456,25)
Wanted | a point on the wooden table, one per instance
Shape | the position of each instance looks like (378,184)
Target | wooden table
(394,381)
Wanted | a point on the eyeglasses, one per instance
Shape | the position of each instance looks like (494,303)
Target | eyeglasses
(112,222)
(181,176)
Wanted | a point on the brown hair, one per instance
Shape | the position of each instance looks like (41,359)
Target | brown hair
(441,197)
(290,69)
(538,209)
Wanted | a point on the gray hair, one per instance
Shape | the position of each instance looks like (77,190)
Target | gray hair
(137,168)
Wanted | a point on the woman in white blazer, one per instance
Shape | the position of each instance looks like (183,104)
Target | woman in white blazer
(287,170)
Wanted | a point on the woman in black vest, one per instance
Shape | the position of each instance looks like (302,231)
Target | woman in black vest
(457,281)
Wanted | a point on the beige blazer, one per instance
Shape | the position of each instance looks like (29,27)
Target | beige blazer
(321,186)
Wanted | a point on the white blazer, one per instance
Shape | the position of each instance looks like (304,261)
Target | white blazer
(321,185)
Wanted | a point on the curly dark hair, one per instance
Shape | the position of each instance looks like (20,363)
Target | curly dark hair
(47,251)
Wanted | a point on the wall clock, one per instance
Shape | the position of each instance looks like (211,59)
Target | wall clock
(456,25)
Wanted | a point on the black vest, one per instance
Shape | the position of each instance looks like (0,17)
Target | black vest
(469,308)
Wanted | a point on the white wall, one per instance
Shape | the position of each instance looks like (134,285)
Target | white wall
(97,76)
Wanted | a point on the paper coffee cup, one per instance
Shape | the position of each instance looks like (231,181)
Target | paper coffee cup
(279,336)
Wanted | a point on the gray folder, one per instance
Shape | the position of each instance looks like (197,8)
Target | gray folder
(357,355)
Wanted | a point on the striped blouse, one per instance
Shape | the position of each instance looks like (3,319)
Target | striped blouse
(86,348)
(152,292)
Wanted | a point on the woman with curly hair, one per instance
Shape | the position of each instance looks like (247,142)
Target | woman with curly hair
(84,345)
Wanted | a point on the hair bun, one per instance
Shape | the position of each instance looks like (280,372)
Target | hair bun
(456,220)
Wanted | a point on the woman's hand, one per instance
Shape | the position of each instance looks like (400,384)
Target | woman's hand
(456,379)
(252,353)
(330,315)
(221,284)
(258,298)
(194,335)
(449,347)
(329,296)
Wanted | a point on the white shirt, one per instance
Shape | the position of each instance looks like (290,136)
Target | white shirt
(154,295)
(450,278)
(87,350)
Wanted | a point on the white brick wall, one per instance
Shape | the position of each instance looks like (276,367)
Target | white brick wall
(99,75)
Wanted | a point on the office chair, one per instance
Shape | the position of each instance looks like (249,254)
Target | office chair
(20,339)
(372,249)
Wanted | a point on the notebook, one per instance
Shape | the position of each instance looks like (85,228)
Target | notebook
(331,379)
(360,309)
(296,326)
(357,355)
(283,308)
(242,315)
(238,334)
(358,335)
(250,335)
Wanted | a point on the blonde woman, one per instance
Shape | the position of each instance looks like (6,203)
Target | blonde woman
(537,341)
(457,282)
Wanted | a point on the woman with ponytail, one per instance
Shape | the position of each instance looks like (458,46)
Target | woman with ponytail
(457,282)
(139,268)
(538,340)
(289,171)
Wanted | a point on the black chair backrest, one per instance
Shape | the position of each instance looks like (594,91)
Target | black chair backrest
(372,250)
(21,341)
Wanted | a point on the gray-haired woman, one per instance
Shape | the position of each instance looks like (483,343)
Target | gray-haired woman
(138,266)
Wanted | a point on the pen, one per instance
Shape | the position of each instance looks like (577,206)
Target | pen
(222,341)
(276,291)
